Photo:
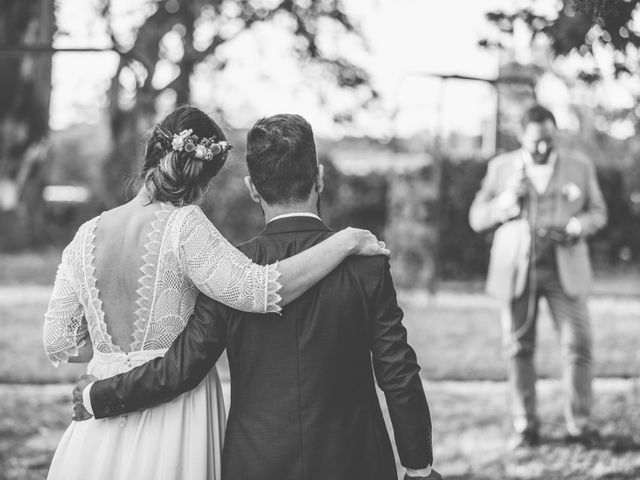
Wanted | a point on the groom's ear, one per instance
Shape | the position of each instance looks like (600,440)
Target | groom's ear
(253,192)
(320,179)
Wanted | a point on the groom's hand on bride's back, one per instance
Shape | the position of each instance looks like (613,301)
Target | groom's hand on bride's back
(79,412)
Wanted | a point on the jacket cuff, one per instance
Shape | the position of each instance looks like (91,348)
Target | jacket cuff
(86,398)
(418,472)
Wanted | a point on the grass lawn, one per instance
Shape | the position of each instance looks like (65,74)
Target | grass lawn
(470,432)
(456,337)
(32,268)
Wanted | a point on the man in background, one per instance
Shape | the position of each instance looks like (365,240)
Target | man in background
(546,204)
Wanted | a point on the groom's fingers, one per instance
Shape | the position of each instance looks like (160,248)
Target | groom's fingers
(80,385)
(382,244)
(80,413)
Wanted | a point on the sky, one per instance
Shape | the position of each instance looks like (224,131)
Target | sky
(405,39)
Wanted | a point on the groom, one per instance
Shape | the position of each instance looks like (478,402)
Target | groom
(304,402)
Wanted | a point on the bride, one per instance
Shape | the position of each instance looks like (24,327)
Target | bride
(126,287)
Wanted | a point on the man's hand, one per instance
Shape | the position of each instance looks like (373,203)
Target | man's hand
(516,185)
(509,199)
(79,412)
(574,227)
(434,476)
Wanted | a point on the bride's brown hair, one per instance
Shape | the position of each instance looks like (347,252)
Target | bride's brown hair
(179,177)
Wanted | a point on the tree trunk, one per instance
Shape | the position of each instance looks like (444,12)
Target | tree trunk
(128,126)
(25,89)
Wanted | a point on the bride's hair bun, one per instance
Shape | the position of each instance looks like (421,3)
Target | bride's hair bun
(179,176)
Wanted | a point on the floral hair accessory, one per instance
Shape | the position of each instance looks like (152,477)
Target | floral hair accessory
(203,148)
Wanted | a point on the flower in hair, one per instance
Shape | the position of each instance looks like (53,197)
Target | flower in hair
(205,148)
(201,151)
(180,139)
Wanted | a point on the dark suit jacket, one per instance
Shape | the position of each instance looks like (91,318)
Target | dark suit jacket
(303,397)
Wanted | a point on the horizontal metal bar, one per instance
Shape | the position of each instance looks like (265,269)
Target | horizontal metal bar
(48,50)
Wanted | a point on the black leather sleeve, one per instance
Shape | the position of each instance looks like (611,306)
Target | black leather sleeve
(397,374)
(191,356)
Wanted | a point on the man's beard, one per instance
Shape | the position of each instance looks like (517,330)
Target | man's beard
(542,157)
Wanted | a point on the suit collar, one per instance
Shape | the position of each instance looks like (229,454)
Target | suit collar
(296,223)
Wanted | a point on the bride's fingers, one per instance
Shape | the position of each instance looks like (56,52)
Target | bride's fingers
(383,250)
(382,247)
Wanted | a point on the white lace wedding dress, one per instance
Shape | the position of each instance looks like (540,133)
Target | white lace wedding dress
(181,439)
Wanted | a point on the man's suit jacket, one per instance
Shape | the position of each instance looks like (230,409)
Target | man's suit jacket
(303,396)
(574,268)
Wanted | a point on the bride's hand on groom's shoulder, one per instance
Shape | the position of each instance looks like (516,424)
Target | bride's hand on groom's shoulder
(363,242)
(79,412)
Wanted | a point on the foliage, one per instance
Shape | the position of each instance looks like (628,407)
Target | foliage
(602,32)
(580,26)
(354,200)
(413,209)
(365,201)
(463,253)
(347,200)
(25,87)
(133,106)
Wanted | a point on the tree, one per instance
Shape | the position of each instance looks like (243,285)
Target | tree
(586,28)
(132,107)
(25,87)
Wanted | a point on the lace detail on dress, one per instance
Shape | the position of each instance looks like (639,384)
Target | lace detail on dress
(98,328)
(221,271)
(148,280)
(184,254)
(65,327)
(273,286)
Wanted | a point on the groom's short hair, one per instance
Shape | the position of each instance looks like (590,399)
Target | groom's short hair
(282,158)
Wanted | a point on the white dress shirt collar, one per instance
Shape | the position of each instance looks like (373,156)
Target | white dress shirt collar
(539,174)
(295,214)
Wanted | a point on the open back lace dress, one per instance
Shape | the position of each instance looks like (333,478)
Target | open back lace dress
(183,254)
